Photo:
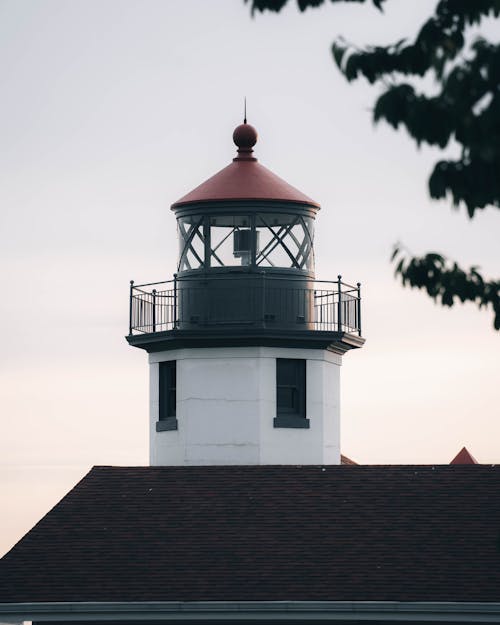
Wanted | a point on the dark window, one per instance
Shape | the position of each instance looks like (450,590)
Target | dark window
(290,387)
(168,396)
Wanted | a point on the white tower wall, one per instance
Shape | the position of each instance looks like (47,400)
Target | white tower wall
(226,404)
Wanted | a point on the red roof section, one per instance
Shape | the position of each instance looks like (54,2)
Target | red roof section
(464,457)
(347,461)
(245,179)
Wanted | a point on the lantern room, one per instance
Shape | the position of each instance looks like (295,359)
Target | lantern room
(247,237)
(246,217)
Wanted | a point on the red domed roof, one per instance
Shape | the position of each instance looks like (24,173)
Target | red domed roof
(245,179)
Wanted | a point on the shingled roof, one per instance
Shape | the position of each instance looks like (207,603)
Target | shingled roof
(266,533)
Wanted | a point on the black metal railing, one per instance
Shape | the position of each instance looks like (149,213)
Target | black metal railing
(307,305)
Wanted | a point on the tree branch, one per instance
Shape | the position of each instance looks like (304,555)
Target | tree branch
(446,282)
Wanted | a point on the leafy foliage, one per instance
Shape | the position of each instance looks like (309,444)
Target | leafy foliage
(277,5)
(447,282)
(465,109)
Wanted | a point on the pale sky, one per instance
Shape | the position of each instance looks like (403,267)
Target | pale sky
(113,109)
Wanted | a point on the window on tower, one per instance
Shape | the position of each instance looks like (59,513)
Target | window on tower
(167,379)
(291,393)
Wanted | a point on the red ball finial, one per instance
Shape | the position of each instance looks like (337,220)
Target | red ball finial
(245,137)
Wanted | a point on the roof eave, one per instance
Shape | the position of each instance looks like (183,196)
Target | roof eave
(395,611)
(305,202)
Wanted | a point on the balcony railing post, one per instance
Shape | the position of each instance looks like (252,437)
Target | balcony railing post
(154,310)
(130,325)
(263,298)
(207,305)
(339,304)
(359,308)
(175,301)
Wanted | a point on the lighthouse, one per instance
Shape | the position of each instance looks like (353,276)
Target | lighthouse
(245,347)
(244,344)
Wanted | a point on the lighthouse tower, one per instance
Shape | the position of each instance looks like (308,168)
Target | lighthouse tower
(245,345)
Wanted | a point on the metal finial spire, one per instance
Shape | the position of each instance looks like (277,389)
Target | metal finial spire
(245,111)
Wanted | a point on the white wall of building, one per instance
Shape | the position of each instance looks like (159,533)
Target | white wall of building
(226,403)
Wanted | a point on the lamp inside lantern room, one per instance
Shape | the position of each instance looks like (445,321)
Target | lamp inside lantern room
(242,244)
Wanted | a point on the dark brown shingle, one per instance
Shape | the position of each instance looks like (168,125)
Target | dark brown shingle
(393,533)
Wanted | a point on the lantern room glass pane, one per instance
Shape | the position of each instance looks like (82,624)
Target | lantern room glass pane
(231,240)
(285,241)
(191,243)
